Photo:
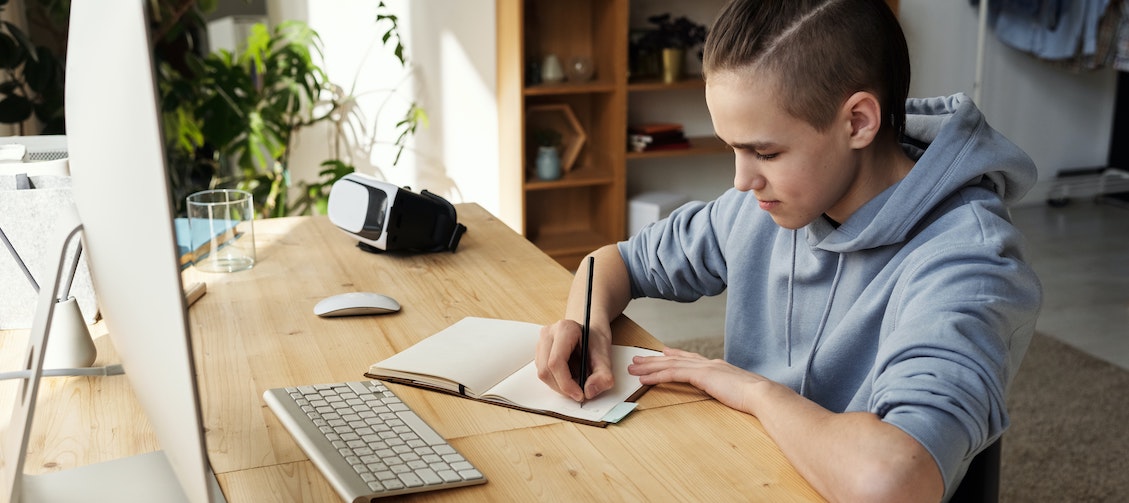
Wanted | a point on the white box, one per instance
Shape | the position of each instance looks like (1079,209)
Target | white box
(650,207)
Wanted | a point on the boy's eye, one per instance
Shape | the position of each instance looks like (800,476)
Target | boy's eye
(764,157)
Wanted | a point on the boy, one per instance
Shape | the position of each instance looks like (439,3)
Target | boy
(878,299)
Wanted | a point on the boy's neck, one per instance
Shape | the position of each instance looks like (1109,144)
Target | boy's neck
(881,166)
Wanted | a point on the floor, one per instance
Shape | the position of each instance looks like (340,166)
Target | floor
(1080,251)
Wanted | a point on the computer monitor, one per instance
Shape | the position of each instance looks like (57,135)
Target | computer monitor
(121,192)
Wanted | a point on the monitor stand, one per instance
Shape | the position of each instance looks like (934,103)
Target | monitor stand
(72,347)
(141,478)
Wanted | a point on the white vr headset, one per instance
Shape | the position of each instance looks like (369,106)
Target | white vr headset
(384,217)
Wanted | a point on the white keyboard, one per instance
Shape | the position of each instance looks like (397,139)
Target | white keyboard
(366,442)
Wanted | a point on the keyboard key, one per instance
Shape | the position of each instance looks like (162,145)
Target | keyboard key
(429,477)
(470,474)
(410,479)
(449,476)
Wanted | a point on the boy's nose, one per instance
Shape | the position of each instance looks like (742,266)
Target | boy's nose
(747,177)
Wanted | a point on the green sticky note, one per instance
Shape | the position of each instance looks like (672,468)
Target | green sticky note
(619,412)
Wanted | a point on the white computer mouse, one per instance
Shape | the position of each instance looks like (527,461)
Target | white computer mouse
(355,304)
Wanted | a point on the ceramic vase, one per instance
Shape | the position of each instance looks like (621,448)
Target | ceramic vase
(551,69)
(548,163)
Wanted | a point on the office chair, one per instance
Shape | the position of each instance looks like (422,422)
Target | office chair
(981,483)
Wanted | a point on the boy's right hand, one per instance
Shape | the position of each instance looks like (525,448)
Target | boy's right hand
(557,344)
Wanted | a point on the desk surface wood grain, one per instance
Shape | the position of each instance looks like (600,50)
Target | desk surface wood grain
(256,330)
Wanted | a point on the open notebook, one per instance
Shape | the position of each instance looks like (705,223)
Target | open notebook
(492,360)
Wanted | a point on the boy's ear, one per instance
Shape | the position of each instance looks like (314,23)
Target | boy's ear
(865,115)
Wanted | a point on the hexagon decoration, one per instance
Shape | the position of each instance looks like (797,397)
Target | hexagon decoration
(559,117)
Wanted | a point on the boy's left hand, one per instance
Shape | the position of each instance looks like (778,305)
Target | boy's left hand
(716,377)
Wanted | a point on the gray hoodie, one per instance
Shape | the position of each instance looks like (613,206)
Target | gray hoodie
(918,308)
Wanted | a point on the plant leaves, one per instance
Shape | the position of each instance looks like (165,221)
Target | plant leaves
(11,54)
(14,109)
(25,46)
(44,73)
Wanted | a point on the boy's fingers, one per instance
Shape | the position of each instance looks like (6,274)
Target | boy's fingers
(601,379)
(553,352)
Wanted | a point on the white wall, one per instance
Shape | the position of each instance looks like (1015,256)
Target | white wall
(450,45)
(455,41)
(1061,119)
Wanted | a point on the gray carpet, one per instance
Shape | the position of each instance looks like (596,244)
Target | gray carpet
(1068,439)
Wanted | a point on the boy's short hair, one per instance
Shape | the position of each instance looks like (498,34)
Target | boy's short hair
(819,52)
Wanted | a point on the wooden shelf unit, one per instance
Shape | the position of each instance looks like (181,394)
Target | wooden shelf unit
(586,207)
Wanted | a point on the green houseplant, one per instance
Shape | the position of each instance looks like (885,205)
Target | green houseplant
(31,80)
(673,32)
(663,47)
(230,119)
(32,68)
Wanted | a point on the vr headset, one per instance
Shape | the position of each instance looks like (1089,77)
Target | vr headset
(384,217)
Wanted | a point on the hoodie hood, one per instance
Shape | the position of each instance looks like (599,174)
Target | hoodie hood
(953,146)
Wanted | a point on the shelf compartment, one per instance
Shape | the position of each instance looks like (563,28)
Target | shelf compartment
(592,113)
(559,117)
(570,222)
(699,145)
(571,29)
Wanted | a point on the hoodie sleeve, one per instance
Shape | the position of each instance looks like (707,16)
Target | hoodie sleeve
(681,257)
(964,314)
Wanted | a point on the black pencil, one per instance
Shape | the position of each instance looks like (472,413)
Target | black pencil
(583,377)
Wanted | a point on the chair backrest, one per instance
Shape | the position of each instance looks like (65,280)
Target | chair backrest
(981,483)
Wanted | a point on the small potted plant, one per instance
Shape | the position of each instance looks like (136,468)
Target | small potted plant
(671,38)
(548,161)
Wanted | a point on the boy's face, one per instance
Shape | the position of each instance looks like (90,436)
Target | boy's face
(796,172)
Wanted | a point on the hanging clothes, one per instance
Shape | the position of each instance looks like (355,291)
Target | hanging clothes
(1048,10)
(1049,35)
(1076,34)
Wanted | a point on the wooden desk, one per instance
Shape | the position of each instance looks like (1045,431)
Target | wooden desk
(255,330)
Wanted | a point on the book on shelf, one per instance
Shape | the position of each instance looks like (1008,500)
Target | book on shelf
(492,361)
(656,136)
(684,144)
(654,127)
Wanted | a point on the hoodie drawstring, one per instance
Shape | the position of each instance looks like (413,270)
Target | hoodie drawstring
(822,324)
(788,316)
